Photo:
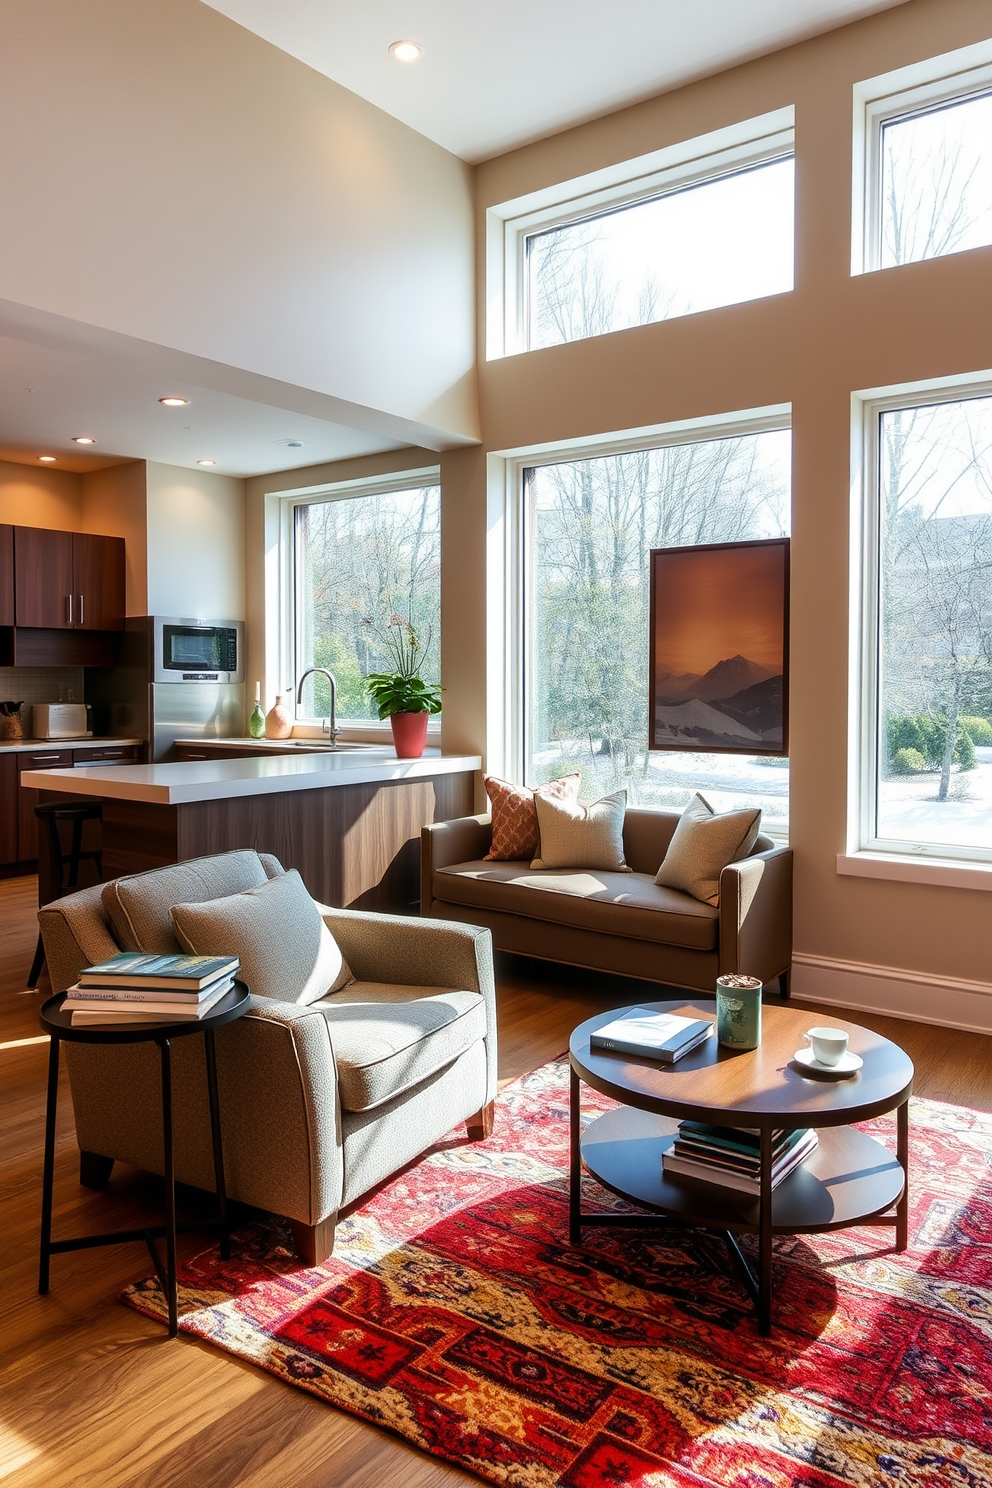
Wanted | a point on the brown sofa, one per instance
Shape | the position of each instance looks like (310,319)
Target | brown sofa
(617,922)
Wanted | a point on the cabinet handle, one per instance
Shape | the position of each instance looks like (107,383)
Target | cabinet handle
(68,600)
(81,620)
(43,759)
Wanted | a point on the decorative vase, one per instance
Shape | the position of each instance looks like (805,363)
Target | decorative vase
(409,734)
(278,720)
(738,1011)
(256,723)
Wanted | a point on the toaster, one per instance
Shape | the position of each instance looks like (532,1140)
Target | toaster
(60,721)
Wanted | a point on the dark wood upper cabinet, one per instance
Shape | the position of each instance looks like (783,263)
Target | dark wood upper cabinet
(6,575)
(68,580)
(42,578)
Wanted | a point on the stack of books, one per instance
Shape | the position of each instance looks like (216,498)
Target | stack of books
(138,988)
(662,1036)
(732,1157)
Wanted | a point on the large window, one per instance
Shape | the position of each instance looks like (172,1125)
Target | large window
(362,561)
(929,632)
(588,527)
(936,181)
(716,242)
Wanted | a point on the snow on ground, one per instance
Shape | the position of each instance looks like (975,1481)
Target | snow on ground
(908,809)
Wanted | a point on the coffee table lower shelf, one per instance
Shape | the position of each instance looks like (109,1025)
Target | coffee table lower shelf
(849,1179)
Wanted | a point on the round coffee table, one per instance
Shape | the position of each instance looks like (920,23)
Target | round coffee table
(850,1178)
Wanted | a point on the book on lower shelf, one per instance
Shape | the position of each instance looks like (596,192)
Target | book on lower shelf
(89,1012)
(175,973)
(730,1157)
(649,1035)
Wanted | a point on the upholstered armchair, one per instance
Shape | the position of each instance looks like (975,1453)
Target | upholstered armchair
(319,1103)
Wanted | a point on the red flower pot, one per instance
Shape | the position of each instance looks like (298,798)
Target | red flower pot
(409,734)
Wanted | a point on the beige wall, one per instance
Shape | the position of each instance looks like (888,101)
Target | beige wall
(832,335)
(196,543)
(179,180)
(34,497)
(114,504)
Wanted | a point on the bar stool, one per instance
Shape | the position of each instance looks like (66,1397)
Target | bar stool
(66,864)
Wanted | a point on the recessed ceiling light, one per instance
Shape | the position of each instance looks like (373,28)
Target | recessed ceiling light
(294,443)
(47,458)
(406,51)
(206,462)
(83,439)
(175,402)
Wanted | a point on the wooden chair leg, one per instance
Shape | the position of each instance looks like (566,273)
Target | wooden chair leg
(480,1125)
(314,1243)
(94,1169)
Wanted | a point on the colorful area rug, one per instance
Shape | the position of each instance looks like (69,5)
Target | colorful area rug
(455,1313)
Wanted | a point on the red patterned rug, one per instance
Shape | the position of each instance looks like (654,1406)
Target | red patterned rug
(454,1312)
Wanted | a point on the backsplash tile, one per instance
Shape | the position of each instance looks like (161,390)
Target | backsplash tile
(40,685)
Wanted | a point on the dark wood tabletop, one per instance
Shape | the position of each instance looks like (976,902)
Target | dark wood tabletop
(756,1087)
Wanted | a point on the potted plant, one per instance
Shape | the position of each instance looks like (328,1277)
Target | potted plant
(402,695)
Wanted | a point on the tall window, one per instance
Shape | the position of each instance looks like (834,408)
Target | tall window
(361,561)
(935,181)
(589,526)
(932,748)
(716,242)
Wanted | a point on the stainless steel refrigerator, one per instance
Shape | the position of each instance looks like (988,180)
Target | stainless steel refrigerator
(177,678)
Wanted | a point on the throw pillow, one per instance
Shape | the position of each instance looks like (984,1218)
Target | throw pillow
(515,817)
(286,950)
(576,835)
(703,844)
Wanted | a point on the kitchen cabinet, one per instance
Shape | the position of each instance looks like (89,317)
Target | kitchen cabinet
(18,823)
(8,808)
(27,800)
(68,580)
(6,574)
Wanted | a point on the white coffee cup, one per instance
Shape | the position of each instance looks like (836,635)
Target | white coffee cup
(829,1045)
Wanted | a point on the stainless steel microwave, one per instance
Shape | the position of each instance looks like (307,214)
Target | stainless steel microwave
(209,651)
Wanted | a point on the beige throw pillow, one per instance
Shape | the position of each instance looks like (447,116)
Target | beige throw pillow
(286,950)
(703,844)
(574,834)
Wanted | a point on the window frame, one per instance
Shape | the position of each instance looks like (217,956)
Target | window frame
(924,88)
(731,151)
(510,600)
(283,637)
(864,843)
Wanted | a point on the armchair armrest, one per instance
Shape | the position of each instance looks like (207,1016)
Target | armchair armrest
(756,915)
(443,843)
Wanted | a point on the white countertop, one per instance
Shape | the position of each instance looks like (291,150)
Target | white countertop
(217,780)
(28,746)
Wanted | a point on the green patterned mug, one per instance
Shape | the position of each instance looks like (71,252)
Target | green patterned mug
(738,1011)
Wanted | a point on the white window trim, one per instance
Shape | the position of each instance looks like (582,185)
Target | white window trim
(868,855)
(280,606)
(752,142)
(953,77)
(506,741)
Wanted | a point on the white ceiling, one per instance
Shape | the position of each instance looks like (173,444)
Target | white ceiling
(495,76)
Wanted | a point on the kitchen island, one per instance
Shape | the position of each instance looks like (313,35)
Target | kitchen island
(348,819)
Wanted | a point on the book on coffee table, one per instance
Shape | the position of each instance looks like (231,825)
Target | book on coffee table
(731,1157)
(662,1036)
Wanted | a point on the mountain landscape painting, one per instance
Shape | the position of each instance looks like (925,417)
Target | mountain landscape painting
(719,647)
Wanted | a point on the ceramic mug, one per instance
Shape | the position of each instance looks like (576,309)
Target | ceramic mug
(829,1045)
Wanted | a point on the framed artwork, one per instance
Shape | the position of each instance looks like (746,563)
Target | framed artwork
(719,620)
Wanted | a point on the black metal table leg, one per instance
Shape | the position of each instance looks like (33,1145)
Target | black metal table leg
(574,1161)
(169,1166)
(210,1050)
(902,1152)
(765,1235)
(48,1173)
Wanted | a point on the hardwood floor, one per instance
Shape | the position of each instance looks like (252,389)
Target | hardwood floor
(96,1396)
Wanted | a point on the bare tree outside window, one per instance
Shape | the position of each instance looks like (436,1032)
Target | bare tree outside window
(936,181)
(591,525)
(357,558)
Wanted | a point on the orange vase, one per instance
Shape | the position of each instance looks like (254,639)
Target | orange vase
(278,721)
(409,734)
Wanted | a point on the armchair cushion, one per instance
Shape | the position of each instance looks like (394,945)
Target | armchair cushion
(138,904)
(388,1038)
(285,948)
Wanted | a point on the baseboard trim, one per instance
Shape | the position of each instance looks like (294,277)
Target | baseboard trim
(948,1002)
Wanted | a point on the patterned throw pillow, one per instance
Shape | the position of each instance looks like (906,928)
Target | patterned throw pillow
(515,816)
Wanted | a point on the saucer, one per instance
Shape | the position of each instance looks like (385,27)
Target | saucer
(846,1064)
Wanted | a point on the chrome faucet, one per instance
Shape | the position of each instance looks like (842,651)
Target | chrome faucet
(329,725)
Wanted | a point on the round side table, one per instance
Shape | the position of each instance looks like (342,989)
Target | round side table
(850,1178)
(56,1020)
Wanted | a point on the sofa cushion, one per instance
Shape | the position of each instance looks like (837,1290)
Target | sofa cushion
(627,904)
(286,950)
(515,815)
(577,834)
(703,844)
(387,1038)
(138,904)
